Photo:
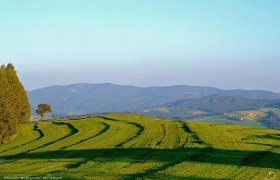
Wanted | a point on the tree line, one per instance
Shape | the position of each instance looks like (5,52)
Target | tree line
(14,104)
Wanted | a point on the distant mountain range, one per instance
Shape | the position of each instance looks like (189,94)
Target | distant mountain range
(90,98)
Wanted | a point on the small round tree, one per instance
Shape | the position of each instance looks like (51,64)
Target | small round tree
(43,109)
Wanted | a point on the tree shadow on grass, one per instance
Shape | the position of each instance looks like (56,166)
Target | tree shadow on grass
(261,159)
(269,136)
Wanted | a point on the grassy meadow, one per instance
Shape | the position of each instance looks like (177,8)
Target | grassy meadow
(120,146)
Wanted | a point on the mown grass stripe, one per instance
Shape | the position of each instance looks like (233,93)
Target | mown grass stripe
(106,127)
(192,157)
(138,133)
(73,131)
(71,127)
(41,135)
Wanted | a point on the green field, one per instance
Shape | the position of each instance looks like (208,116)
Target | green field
(139,147)
(219,119)
(258,113)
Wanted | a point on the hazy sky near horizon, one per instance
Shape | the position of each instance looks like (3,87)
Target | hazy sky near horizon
(226,44)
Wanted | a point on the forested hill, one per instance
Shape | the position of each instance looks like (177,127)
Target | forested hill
(213,104)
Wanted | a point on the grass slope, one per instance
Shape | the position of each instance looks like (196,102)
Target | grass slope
(132,146)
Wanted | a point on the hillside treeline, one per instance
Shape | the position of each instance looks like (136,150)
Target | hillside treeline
(271,120)
(14,104)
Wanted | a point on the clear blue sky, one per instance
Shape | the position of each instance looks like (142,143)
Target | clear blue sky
(222,43)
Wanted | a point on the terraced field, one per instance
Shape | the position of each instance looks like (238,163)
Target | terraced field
(138,147)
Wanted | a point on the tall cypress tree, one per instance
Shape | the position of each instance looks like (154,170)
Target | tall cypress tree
(20,100)
(7,112)
(3,125)
(14,105)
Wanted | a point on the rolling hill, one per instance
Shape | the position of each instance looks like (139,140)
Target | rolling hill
(213,104)
(225,109)
(89,98)
(120,146)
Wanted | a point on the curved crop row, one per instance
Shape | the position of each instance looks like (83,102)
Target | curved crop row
(52,133)
(30,137)
(103,130)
